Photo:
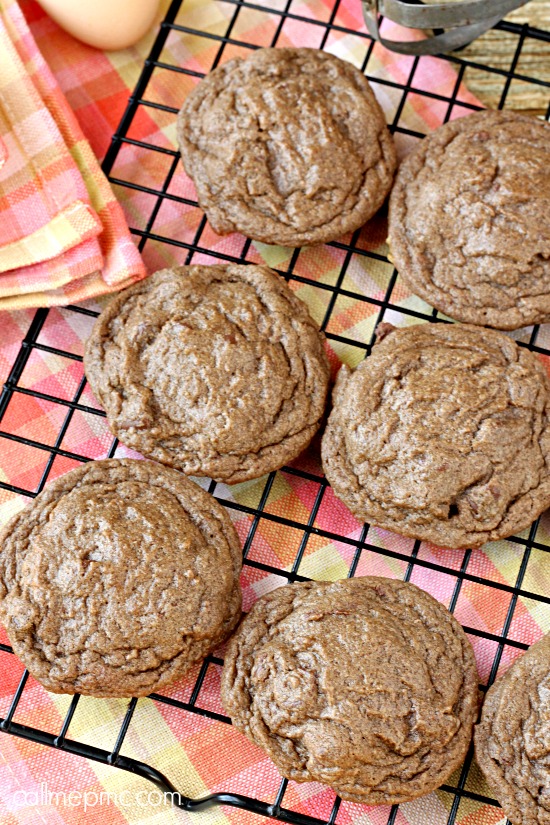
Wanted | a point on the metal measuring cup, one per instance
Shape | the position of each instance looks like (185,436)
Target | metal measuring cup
(463,21)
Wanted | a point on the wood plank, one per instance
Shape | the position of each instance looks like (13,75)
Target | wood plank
(497,49)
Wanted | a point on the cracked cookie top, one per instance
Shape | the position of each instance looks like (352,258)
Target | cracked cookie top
(368,685)
(513,738)
(442,434)
(289,146)
(469,225)
(117,578)
(216,370)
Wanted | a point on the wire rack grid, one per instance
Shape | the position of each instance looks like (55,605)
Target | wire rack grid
(499,639)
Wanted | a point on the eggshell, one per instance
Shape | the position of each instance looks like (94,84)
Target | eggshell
(105,24)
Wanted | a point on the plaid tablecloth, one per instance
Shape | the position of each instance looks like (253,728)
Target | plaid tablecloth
(202,753)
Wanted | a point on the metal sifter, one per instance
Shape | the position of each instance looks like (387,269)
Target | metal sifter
(462,21)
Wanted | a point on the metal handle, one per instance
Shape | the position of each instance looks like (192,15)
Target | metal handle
(465,22)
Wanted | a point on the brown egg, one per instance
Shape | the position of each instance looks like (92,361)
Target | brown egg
(105,24)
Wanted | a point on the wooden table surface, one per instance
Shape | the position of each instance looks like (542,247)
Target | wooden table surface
(497,48)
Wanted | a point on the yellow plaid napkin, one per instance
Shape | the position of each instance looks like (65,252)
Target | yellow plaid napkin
(63,236)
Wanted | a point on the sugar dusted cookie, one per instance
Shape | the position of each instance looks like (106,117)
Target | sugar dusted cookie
(442,434)
(289,146)
(469,225)
(368,685)
(218,371)
(117,578)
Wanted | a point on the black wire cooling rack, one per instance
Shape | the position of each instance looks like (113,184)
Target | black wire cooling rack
(282,10)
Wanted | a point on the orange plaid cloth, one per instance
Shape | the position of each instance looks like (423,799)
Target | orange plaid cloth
(507,583)
(63,236)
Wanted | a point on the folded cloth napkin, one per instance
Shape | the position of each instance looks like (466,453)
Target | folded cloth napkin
(3,153)
(201,754)
(63,235)
(44,201)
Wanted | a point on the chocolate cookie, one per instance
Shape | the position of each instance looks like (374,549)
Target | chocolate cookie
(513,738)
(288,147)
(442,434)
(117,578)
(216,370)
(469,225)
(368,685)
